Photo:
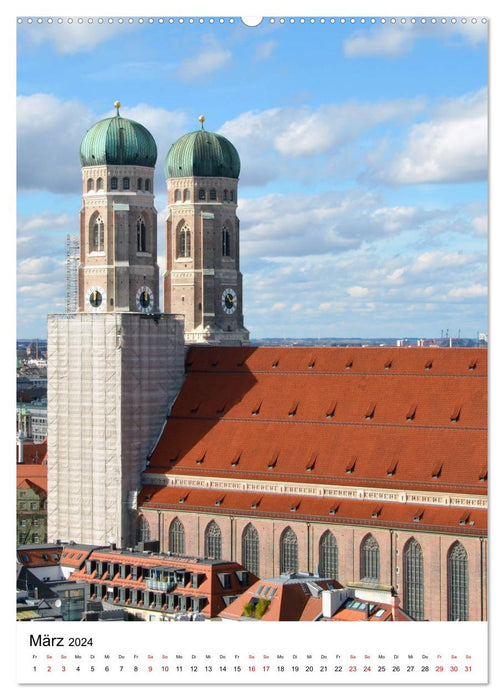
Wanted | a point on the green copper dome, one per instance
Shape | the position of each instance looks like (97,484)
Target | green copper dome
(202,153)
(118,141)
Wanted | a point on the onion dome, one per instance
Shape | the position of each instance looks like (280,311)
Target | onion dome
(202,153)
(118,141)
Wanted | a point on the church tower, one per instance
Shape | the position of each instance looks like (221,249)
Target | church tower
(203,279)
(116,365)
(118,256)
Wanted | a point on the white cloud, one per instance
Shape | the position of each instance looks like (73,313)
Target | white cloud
(394,40)
(389,40)
(73,37)
(480,224)
(301,132)
(441,260)
(50,131)
(328,222)
(211,58)
(452,147)
(358,291)
(264,50)
(469,292)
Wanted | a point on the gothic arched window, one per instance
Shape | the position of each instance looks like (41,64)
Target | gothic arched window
(328,556)
(226,242)
(288,552)
(369,559)
(225,196)
(184,242)
(176,537)
(250,549)
(143,533)
(139,183)
(178,196)
(213,195)
(141,236)
(99,184)
(187,196)
(113,183)
(147,185)
(90,184)
(413,580)
(97,238)
(213,541)
(126,183)
(458,583)
(201,195)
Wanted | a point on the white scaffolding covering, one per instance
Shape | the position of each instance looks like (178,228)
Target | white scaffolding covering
(112,379)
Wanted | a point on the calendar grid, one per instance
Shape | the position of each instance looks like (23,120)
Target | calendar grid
(417,653)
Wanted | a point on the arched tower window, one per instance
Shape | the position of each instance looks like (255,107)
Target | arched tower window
(201,195)
(139,183)
(178,196)
(250,549)
(147,185)
(213,541)
(413,580)
(141,236)
(143,533)
(184,242)
(97,237)
(90,184)
(288,552)
(328,556)
(213,195)
(187,196)
(369,559)
(126,183)
(226,242)
(99,184)
(113,183)
(231,195)
(458,583)
(225,196)
(176,537)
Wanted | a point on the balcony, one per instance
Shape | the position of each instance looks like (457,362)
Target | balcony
(157,584)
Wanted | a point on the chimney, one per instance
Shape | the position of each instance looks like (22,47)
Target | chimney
(20,447)
(332,600)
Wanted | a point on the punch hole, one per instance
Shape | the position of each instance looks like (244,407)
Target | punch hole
(252,21)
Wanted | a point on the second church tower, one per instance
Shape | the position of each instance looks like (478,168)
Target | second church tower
(203,279)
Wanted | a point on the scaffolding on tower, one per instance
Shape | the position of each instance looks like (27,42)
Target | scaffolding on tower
(71,267)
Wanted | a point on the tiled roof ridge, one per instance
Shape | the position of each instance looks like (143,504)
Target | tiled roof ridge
(310,477)
(321,421)
(372,522)
(354,373)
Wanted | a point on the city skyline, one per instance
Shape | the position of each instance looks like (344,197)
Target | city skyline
(362,194)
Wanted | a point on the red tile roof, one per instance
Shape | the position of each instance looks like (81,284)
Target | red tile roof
(31,474)
(34,453)
(289,600)
(40,555)
(209,587)
(356,416)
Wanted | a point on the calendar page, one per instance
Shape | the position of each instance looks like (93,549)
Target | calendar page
(252,347)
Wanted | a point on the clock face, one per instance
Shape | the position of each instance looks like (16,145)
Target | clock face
(145,299)
(95,297)
(229,301)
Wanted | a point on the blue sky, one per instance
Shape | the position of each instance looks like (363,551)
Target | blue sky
(363,188)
